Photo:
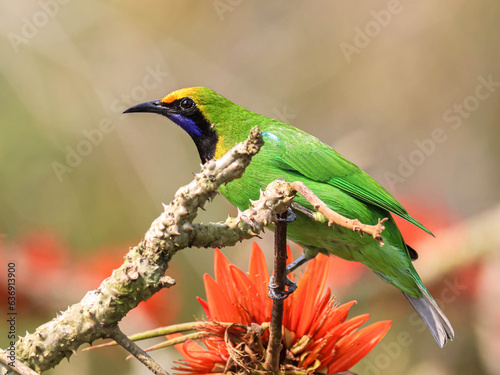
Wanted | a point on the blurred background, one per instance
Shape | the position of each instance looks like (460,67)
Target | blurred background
(409,91)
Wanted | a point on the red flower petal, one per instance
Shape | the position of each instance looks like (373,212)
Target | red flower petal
(309,291)
(317,279)
(350,325)
(221,308)
(259,275)
(257,270)
(299,300)
(222,275)
(249,301)
(333,336)
(289,259)
(352,348)
(196,358)
(338,316)
(322,313)
(206,308)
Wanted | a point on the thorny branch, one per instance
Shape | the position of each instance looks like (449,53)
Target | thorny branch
(143,272)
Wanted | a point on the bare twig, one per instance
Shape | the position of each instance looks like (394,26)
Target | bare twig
(179,340)
(162,331)
(19,368)
(274,346)
(136,351)
(335,218)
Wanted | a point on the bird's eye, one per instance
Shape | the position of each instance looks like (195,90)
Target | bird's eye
(187,103)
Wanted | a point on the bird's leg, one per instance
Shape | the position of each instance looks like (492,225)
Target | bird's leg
(304,210)
(275,294)
(299,261)
(305,257)
(314,215)
(290,216)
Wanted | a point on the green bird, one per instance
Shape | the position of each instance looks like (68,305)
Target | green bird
(216,124)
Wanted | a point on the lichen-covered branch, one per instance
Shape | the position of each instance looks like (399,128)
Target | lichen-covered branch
(143,271)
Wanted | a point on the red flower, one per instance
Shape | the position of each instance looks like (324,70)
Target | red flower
(316,332)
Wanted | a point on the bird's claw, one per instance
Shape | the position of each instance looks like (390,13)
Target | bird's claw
(289,217)
(278,295)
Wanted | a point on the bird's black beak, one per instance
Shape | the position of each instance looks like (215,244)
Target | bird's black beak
(153,106)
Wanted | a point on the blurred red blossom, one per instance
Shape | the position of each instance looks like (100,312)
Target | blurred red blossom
(436,217)
(50,275)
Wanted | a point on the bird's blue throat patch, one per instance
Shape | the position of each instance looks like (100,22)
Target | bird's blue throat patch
(186,123)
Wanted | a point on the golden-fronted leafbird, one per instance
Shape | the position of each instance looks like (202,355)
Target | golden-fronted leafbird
(216,124)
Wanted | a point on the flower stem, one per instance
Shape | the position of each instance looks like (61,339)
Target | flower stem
(137,352)
(274,347)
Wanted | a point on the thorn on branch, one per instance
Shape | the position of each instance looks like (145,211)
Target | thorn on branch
(166,282)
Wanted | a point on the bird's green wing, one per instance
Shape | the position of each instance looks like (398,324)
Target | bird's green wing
(305,154)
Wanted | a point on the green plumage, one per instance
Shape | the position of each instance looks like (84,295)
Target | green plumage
(294,155)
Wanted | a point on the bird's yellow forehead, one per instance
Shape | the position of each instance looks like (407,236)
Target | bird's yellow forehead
(179,94)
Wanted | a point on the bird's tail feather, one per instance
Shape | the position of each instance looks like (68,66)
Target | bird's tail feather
(432,316)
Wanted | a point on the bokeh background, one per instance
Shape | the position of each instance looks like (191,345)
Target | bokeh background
(409,91)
